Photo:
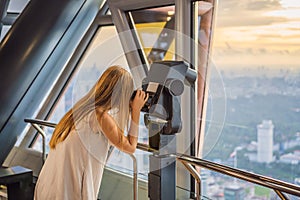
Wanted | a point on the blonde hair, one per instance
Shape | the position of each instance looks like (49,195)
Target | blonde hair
(112,92)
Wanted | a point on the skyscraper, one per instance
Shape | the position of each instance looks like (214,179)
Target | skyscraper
(265,141)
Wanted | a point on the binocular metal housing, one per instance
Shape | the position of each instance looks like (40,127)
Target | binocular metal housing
(165,84)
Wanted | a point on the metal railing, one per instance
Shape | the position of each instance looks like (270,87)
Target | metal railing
(36,123)
(278,186)
(189,162)
(188,166)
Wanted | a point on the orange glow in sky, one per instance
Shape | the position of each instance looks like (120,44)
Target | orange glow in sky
(257,33)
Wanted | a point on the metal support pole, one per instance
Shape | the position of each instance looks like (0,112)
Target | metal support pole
(281,195)
(42,133)
(135,178)
(162,175)
(196,176)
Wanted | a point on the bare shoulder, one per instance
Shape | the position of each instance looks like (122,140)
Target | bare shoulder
(110,128)
(105,120)
(103,116)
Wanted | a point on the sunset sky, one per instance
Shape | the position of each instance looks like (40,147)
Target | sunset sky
(257,33)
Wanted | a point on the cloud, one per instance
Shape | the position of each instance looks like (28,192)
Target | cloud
(263,5)
(248,13)
(257,50)
(277,36)
(225,58)
(256,32)
(247,20)
(235,5)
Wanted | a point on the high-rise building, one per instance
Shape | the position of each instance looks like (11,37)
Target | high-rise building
(265,141)
(234,192)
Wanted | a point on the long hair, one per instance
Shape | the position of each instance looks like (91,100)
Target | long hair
(112,92)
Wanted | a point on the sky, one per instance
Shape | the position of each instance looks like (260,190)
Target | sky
(257,33)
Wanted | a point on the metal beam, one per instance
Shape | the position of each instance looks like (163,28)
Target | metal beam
(70,63)
(10,18)
(3,10)
(130,5)
(25,79)
(133,51)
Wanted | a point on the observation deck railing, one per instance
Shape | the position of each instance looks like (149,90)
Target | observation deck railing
(280,187)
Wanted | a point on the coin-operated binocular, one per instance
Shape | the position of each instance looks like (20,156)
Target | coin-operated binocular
(165,84)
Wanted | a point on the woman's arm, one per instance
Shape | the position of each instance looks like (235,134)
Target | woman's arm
(115,135)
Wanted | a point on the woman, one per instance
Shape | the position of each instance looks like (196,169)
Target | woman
(80,142)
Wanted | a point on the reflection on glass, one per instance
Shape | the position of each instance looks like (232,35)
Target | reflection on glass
(155,28)
(14,7)
(256,58)
(105,50)
(17,6)
(4,31)
(95,61)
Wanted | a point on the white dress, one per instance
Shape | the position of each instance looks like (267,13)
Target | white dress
(73,170)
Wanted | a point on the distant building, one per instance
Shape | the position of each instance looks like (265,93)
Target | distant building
(204,175)
(297,181)
(265,141)
(291,158)
(234,192)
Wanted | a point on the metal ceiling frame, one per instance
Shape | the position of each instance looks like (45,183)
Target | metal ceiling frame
(100,20)
(129,39)
(50,62)
(3,13)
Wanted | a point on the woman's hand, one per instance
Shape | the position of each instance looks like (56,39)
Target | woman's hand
(139,101)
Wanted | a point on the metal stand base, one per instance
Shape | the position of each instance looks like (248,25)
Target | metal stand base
(18,181)
(162,175)
(162,178)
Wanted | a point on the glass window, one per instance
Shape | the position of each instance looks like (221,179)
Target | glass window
(105,50)
(96,60)
(155,28)
(254,85)
(4,30)
(17,6)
